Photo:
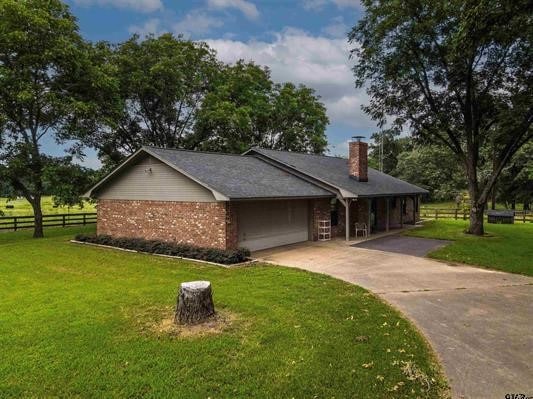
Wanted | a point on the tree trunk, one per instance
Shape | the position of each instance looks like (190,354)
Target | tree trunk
(195,303)
(476,220)
(38,216)
(476,209)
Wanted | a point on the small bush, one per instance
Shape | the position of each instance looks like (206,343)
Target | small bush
(226,257)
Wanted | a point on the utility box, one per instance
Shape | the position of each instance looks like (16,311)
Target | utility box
(501,217)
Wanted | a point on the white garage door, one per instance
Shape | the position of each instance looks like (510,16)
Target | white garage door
(267,224)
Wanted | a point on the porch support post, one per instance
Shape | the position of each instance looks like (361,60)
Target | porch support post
(369,215)
(387,220)
(401,211)
(347,214)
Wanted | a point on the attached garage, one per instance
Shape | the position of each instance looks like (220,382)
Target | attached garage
(267,224)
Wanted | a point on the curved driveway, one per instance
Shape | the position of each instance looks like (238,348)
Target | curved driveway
(479,322)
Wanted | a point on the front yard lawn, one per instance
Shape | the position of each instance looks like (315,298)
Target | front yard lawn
(79,321)
(506,247)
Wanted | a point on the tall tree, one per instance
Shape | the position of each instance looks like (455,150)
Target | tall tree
(434,168)
(247,109)
(457,72)
(162,83)
(385,148)
(236,113)
(48,89)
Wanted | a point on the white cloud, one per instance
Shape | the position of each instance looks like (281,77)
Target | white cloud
(149,27)
(196,23)
(319,4)
(246,7)
(337,28)
(137,5)
(347,3)
(319,62)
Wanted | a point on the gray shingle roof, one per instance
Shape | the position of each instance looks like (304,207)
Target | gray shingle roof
(239,177)
(335,172)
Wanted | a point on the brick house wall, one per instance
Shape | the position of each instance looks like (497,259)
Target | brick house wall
(204,224)
(320,209)
(232,226)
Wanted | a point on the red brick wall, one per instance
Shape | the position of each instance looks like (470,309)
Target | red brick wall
(232,225)
(321,209)
(198,223)
(358,160)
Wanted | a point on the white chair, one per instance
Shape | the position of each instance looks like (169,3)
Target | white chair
(361,227)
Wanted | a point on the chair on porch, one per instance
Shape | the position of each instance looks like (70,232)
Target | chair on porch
(361,227)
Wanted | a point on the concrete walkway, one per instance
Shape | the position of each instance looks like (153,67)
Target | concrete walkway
(479,322)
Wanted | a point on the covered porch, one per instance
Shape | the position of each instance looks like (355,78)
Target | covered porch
(377,214)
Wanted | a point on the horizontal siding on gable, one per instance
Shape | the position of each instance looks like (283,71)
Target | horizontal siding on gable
(151,179)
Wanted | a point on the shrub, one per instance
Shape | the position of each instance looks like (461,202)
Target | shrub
(226,257)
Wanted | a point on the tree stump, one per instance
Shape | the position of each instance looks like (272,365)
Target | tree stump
(195,302)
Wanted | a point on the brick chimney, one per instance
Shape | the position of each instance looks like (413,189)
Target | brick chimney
(358,159)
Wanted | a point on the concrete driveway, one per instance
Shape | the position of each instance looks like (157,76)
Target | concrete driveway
(479,322)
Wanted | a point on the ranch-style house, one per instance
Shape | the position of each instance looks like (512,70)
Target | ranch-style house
(260,199)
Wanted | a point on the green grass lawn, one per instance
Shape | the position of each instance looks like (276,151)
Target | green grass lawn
(80,321)
(506,247)
(23,207)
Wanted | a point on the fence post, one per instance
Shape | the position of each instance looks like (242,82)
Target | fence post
(455,213)
(524,215)
(64,221)
(464,215)
(15,223)
(436,213)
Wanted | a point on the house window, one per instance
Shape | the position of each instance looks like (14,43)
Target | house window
(404,206)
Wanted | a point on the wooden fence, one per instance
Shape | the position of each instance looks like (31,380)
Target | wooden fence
(60,220)
(451,213)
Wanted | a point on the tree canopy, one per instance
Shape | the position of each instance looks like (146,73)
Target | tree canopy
(247,109)
(174,93)
(456,73)
(49,88)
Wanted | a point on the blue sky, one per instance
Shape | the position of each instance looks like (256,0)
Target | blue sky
(302,41)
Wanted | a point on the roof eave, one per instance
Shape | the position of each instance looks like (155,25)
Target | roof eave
(283,197)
